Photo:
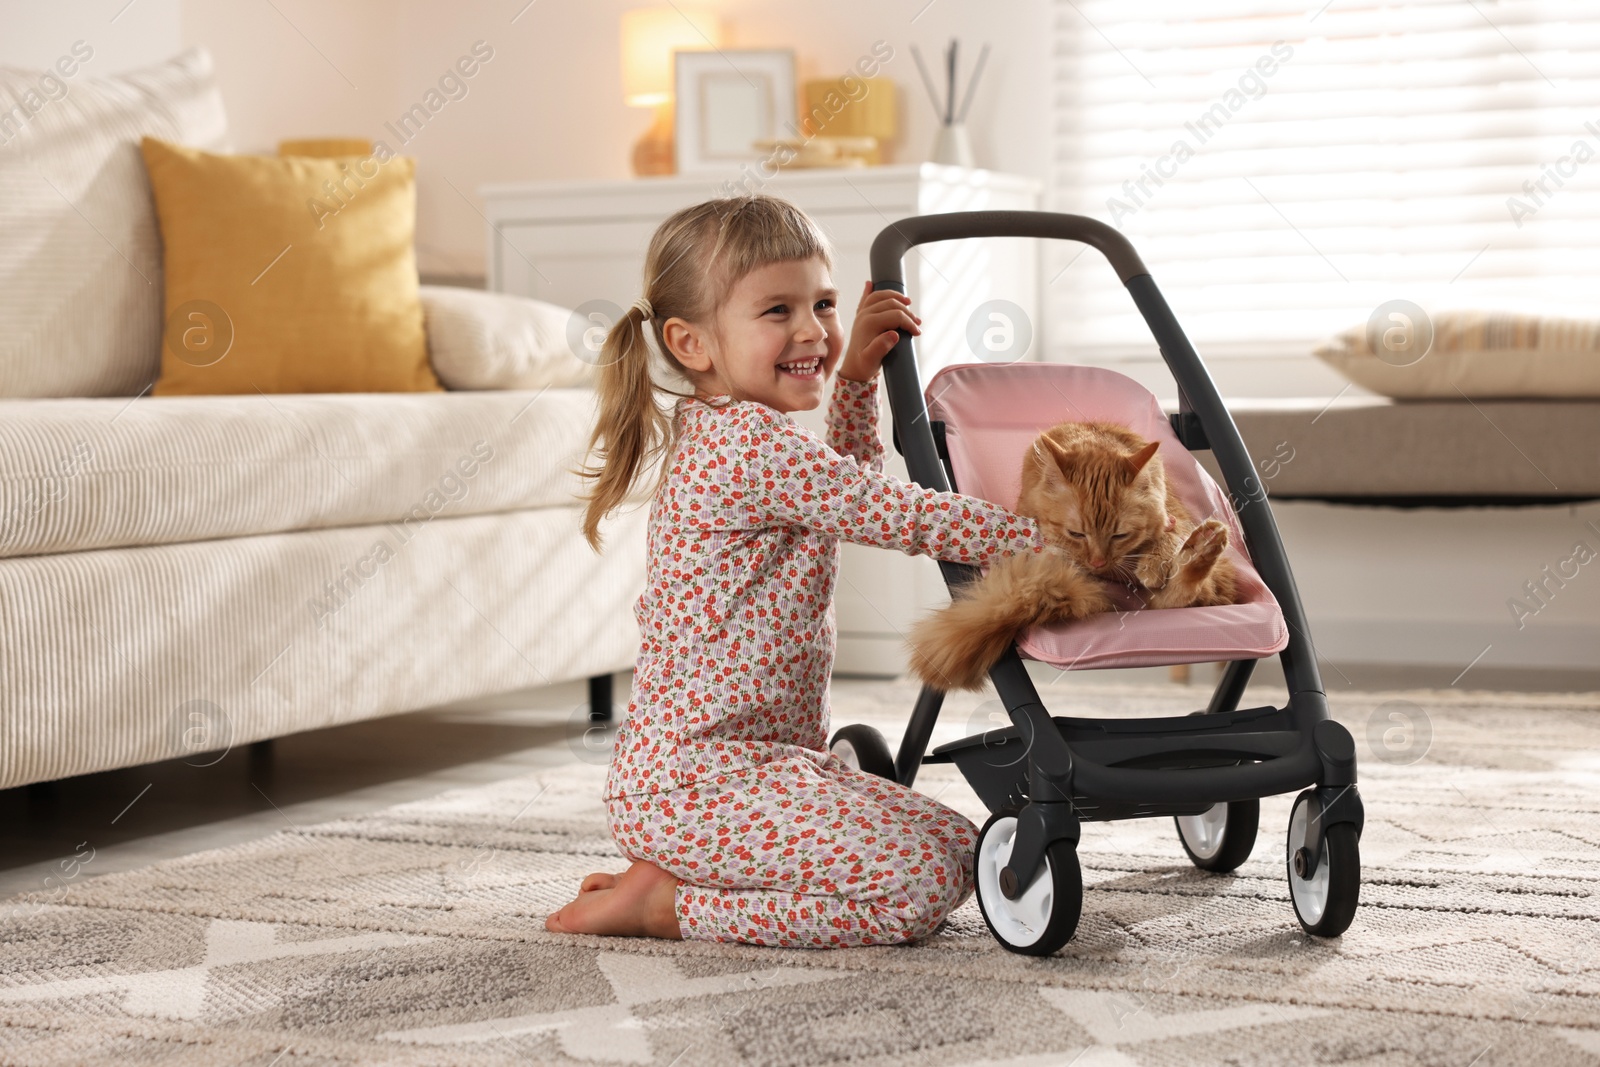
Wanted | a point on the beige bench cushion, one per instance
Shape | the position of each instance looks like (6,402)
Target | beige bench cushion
(1367,448)
(95,473)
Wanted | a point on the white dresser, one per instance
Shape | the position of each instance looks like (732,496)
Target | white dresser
(574,242)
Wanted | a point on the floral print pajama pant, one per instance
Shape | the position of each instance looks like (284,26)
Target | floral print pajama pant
(796,855)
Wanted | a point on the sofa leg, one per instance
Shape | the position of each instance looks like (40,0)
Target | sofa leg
(600,698)
(261,756)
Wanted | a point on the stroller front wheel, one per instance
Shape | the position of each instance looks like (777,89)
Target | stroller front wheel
(1221,837)
(863,747)
(1046,915)
(1325,903)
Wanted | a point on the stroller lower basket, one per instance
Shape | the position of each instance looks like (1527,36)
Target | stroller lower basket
(995,762)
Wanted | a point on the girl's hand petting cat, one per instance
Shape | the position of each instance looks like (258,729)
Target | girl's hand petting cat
(874,334)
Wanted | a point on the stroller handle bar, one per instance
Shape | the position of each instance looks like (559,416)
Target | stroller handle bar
(1197,393)
(894,242)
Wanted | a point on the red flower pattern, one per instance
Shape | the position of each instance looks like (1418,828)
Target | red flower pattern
(720,773)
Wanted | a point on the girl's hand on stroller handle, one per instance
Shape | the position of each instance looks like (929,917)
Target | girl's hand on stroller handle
(879,319)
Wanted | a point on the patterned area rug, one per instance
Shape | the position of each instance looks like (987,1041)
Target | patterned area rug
(415,935)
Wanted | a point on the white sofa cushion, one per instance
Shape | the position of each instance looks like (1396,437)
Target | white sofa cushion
(80,262)
(132,655)
(98,473)
(480,340)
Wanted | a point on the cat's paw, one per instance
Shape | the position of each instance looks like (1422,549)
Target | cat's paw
(1152,570)
(1203,547)
(1090,598)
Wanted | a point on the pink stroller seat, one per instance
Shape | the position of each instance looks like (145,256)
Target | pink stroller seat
(992,414)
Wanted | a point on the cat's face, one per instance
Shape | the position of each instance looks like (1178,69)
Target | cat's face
(1105,507)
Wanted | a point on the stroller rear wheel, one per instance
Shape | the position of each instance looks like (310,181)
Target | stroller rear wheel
(1325,902)
(863,747)
(1221,837)
(1046,915)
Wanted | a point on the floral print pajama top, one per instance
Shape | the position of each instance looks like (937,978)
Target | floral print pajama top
(720,772)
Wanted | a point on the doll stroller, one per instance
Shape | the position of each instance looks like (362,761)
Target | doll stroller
(1043,776)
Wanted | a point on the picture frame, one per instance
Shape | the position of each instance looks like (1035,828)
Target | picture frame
(727,100)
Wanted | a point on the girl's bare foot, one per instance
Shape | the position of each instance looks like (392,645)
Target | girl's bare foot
(640,902)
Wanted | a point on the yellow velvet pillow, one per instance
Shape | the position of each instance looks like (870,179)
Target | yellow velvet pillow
(288,275)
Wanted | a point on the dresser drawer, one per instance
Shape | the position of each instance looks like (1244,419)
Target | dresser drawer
(569,263)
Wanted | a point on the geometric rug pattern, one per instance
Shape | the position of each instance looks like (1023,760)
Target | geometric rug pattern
(415,935)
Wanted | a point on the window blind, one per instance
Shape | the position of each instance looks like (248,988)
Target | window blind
(1284,168)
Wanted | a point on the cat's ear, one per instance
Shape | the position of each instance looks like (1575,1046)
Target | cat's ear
(1055,449)
(1053,459)
(1136,462)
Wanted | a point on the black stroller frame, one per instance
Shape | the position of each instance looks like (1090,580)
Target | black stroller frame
(1050,774)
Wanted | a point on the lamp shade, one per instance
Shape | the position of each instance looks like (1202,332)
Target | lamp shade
(649,37)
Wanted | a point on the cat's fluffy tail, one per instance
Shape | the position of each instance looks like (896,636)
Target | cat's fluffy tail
(954,648)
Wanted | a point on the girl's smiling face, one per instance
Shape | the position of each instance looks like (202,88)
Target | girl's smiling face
(776,339)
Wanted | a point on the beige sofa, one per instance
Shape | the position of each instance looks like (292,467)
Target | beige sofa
(184,574)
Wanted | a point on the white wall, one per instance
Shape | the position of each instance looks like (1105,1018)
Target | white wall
(34,34)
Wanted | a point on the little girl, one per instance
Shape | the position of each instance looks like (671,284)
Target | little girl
(740,824)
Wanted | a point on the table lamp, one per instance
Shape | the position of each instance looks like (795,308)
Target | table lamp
(650,35)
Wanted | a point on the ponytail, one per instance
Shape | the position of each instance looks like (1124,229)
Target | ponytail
(631,426)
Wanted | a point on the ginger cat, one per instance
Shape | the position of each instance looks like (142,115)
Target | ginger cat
(1101,498)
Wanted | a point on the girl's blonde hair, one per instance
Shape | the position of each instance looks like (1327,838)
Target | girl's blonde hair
(695,258)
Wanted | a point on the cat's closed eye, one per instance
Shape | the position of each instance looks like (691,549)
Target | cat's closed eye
(1076,535)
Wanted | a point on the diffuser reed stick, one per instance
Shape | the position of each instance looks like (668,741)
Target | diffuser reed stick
(944,104)
(972,86)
